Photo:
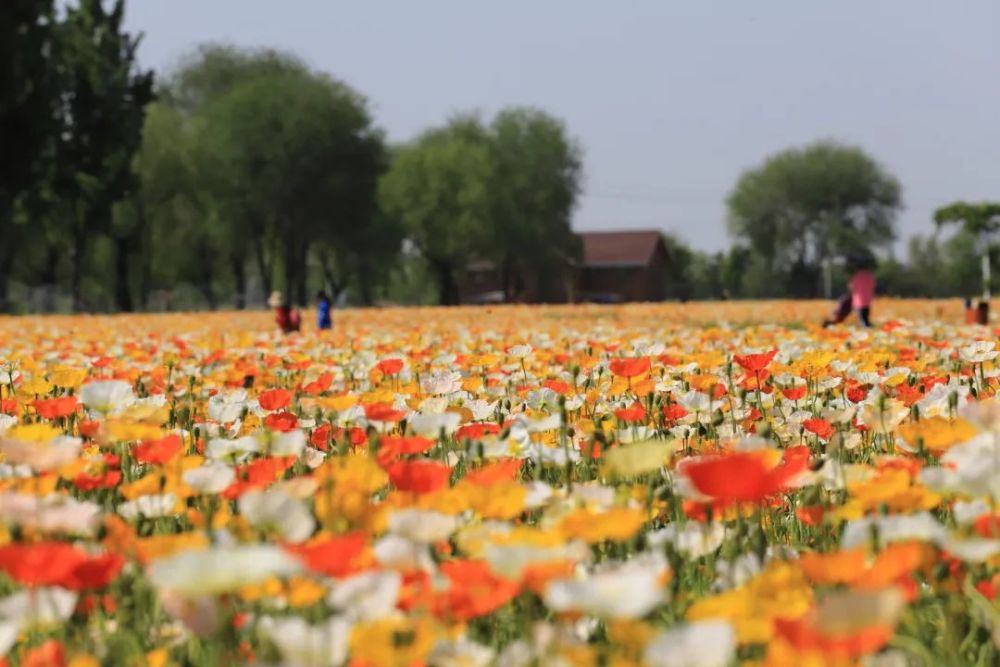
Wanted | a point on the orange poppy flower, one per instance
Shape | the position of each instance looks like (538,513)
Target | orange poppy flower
(819,426)
(804,637)
(629,367)
(633,413)
(754,363)
(420,476)
(158,451)
(53,408)
(390,366)
(504,470)
(745,476)
(40,564)
(476,430)
(275,399)
(333,556)
(383,412)
(281,421)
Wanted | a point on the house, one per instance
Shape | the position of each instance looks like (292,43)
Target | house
(614,266)
(623,266)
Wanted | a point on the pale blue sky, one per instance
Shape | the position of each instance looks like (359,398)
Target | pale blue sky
(670,99)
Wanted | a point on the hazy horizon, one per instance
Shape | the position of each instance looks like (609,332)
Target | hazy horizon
(671,102)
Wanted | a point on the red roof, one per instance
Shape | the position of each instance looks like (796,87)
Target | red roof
(620,249)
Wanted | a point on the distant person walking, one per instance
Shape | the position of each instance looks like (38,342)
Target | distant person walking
(324,311)
(287,318)
(862,293)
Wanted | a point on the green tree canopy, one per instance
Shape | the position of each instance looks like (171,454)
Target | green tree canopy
(804,205)
(439,188)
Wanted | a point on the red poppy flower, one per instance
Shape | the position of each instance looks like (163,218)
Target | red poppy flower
(987,589)
(421,476)
(96,572)
(629,367)
(394,446)
(9,406)
(275,399)
(390,366)
(754,362)
(476,430)
(383,412)
(48,654)
(803,636)
(475,591)
(281,421)
(40,564)
(557,386)
(745,476)
(53,408)
(674,411)
(811,516)
(106,480)
(794,393)
(504,470)
(857,393)
(320,437)
(160,451)
(89,429)
(337,556)
(318,386)
(357,436)
(819,426)
(988,525)
(633,413)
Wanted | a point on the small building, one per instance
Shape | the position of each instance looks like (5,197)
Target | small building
(623,266)
(614,267)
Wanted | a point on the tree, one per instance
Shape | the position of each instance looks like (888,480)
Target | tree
(297,157)
(28,99)
(439,188)
(804,206)
(979,221)
(104,96)
(535,183)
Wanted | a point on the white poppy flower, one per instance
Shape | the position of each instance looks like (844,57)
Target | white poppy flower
(628,594)
(365,596)
(221,569)
(700,644)
(106,396)
(305,645)
(431,425)
(151,506)
(422,525)
(210,478)
(692,539)
(275,511)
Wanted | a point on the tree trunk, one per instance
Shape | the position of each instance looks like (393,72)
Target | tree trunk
(6,264)
(123,295)
(50,276)
(302,275)
(146,258)
(76,273)
(240,278)
(447,288)
(289,271)
(263,267)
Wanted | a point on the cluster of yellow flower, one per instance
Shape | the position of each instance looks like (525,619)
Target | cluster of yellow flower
(636,485)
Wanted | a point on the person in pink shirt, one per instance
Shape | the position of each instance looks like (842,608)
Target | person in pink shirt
(862,286)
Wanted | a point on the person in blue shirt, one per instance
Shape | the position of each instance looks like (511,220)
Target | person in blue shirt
(324,316)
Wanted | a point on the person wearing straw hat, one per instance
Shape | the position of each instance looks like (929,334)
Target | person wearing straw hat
(287,318)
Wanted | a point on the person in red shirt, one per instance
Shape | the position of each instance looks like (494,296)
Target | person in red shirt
(862,293)
(287,318)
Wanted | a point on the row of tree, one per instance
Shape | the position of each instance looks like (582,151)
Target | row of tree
(247,166)
(244,171)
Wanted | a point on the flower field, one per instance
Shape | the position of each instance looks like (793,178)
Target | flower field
(700,485)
